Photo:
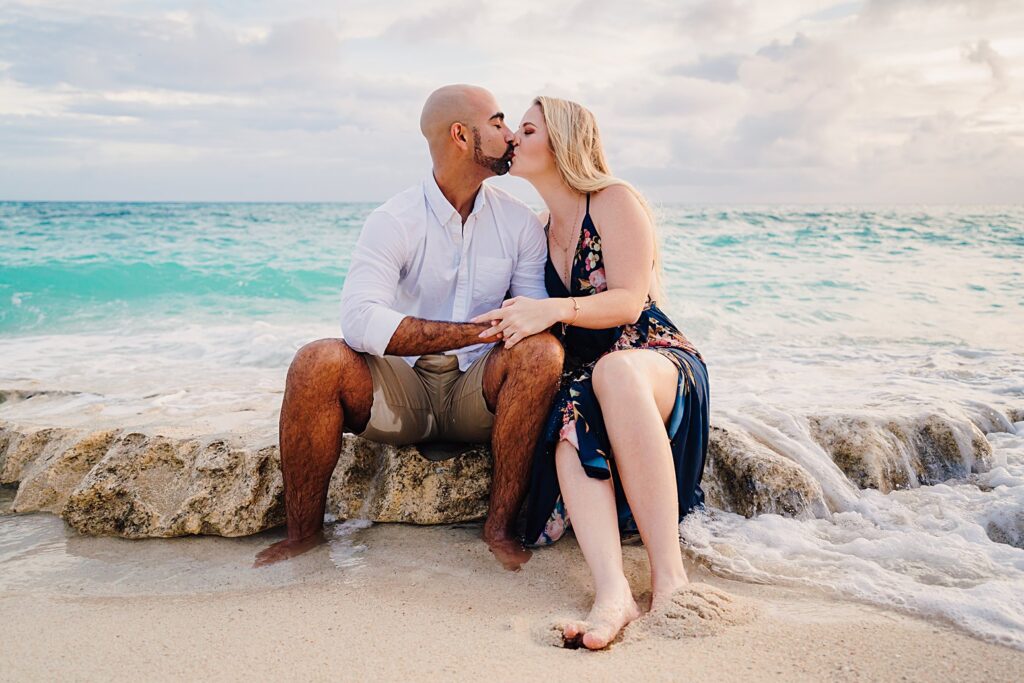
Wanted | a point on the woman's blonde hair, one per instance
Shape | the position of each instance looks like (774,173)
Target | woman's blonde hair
(575,142)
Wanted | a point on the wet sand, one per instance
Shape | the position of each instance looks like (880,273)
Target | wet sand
(424,603)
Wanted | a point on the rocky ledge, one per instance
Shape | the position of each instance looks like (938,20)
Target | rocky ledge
(136,485)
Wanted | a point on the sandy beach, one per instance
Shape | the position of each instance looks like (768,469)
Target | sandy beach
(425,603)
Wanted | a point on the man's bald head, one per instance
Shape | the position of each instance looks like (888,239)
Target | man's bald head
(464,129)
(451,103)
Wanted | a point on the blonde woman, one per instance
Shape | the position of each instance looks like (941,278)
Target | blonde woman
(624,448)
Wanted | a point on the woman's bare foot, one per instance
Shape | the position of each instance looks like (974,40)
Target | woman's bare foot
(607,617)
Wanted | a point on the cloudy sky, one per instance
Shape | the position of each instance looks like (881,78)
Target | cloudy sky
(876,101)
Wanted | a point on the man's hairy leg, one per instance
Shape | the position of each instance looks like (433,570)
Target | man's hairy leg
(328,386)
(519,385)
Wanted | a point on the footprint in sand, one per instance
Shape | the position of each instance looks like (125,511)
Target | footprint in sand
(693,611)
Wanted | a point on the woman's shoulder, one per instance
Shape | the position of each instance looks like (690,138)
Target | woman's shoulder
(617,207)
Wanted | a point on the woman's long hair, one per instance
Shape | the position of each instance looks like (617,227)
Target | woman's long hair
(575,142)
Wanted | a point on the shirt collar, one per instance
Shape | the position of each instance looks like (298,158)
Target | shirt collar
(442,208)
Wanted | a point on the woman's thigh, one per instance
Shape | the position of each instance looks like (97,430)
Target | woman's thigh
(620,376)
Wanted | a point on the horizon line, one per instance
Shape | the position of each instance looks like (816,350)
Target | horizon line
(379,202)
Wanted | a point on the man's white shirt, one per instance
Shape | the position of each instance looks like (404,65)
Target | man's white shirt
(415,258)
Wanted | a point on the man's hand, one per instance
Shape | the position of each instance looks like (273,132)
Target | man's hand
(521,317)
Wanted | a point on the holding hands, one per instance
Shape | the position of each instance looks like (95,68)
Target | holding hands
(521,317)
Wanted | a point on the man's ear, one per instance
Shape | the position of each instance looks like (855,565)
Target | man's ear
(459,135)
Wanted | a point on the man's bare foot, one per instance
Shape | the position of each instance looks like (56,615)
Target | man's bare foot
(509,551)
(288,548)
(607,617)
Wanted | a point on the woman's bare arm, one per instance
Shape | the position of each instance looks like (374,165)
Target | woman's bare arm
(627,248)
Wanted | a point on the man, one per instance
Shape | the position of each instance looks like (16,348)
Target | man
(409,368)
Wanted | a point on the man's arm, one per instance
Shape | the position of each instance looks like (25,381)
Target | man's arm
(368,317)
(417,337)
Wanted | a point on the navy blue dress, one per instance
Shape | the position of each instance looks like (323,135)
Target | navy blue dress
(576,413)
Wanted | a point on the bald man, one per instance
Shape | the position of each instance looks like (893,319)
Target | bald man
(410,368)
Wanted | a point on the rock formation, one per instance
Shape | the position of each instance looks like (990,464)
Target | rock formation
(135,485)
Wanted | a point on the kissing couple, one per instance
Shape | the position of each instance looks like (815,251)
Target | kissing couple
(469,318)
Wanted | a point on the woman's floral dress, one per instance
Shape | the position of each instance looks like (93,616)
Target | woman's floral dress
(576,414)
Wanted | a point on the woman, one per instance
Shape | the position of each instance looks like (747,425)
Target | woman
(625,445)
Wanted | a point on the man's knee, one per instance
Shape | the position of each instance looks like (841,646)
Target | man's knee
(321,355)
(536,360)
(540,353)
(329,369)
(329,364)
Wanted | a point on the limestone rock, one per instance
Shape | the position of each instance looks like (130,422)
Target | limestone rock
(397,484)
(949,449)
(869,456)
(127,483)
(743,476)
(48,479)
(887,454)
(135,485)
(20,449)
(146,486)
(1008,529)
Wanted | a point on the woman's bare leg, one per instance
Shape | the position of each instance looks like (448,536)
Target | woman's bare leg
(591,507)
(636,389)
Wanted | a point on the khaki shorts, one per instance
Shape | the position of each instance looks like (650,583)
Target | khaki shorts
(431,401)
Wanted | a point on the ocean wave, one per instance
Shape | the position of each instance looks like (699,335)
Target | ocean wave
(63,295)
(942,540)
(123,281)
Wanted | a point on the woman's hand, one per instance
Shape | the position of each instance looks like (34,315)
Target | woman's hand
(520,317)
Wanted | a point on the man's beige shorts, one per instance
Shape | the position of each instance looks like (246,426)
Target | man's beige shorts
(431,401)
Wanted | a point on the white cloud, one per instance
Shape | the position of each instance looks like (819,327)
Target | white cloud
(795,100)
(981,52)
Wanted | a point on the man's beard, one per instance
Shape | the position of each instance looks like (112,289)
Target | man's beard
(498,165)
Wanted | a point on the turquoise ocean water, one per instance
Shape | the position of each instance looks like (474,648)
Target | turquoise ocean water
(185,316)
(932,275)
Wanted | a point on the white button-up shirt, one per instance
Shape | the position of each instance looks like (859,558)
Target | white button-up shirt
(415,258)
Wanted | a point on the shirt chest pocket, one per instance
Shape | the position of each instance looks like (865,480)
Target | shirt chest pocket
(493,278)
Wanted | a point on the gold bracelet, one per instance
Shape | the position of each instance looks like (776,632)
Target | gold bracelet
(576,307)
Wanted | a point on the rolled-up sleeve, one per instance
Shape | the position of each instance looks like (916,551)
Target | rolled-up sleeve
(528,277)
(368,319)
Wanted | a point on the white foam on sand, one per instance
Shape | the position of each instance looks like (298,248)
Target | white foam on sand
(345,549)
(202,378)
(951,551)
